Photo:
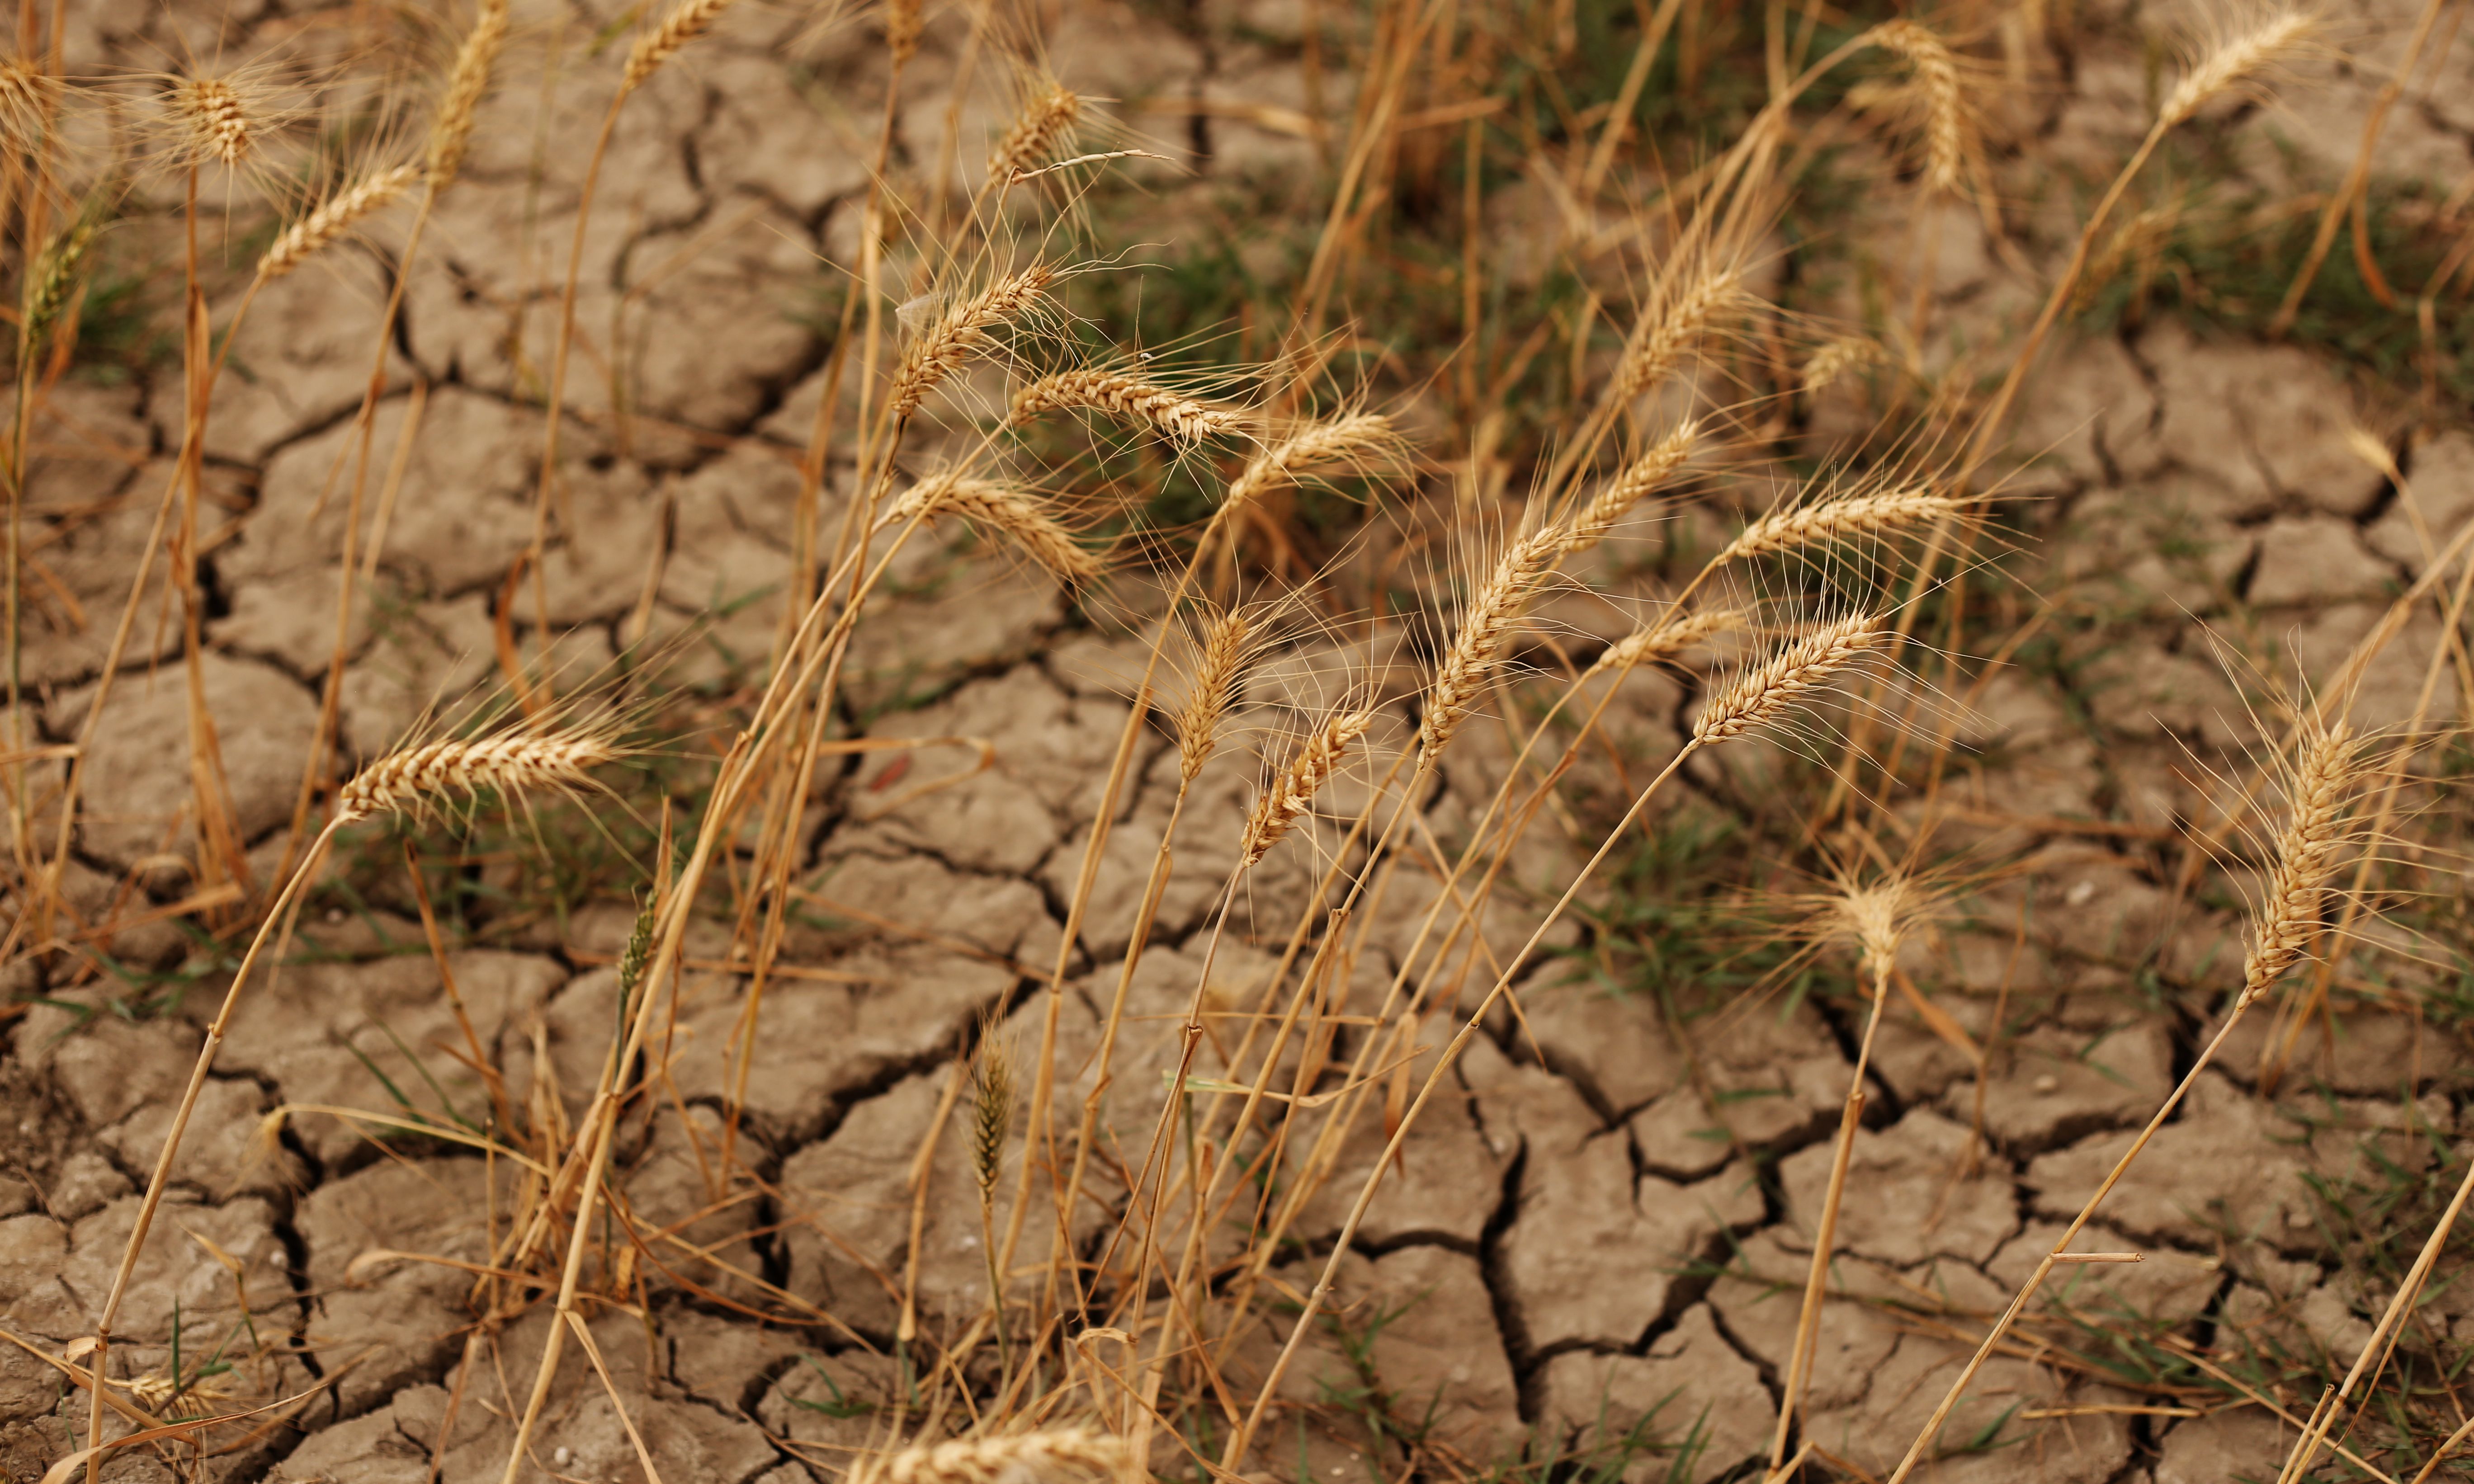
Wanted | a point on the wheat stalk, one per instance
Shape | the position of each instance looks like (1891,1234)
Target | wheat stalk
(1681,327)
(1630,488)
(1873,513)
(1022,1458)
(1043,126)
(334,217)
(1936,71)
(2306,858)
(1655,641)
(1279,805)
(961,331)
(1186,419)
(1220,656)
(1019,516)
(1765,689)
(450,133)
(1469,664)
(2257,47)
(688,20)
(411,780)
(1316,447)
(221,126)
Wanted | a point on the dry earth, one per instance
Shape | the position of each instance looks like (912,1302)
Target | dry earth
(1615,1231)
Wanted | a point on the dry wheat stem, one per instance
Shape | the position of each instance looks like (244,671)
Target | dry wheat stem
(1936,72)
(961,332)
(2239,56)
(1676,330)
(1470,663)
(412,780)
(1022,516)
(1021,1458)
(1035,135)
(1319,447)
(450,133)
(1641,479)
(1219,659)
(1664,640)
(688,20)
(1187,419)
(1288,796)
(1847,518)
(2326,769)
(335,216)
(1795,670)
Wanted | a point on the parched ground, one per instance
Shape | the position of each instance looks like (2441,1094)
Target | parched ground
(1609,1218)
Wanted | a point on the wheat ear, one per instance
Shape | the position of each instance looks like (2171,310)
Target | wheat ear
(1022,516)
(221,127)
(1320,445)
(1637,482)
(688,20)
(1836,359)
(1044,125)
(25,103)
(1936,70)
(1762,692)
(2307,855)
(334,217)
(412,780)
(902,25)
(2243,55)
(450,133)
(1844,518)
(1022,1458)
(1655,641)
(1182,417)
(1220,656)
(961,331)
(1492,614)
(1676,331)
(1279,805)
(56,272)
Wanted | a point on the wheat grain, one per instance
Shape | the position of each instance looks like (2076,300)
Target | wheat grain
(1046,123)
(1182,417)
(1681,326)
(688,20)
(450,133)
(1936,70)
(1494,614)
(2241,56)
(221,126)
(1279,805)
(1762,691)
(1220,656)
(412,780)
(961,331)
(1641,479)
(1022,1458)
(1019,516)
(1320,445)
(334,217)
(2306,857)
(1877,512)
(1653,642)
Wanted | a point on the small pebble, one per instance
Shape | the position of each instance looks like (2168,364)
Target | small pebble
(562,1457)
(2048,1082)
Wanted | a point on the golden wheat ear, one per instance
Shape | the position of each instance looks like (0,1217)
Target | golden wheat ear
(1219,659)
(1640,479)
(1057,1456)
(1046,123)
(1767,691)
(1024,518)
(1665,640)
(1285,800)
(1469,666)
(415,780)
(335,216)
(2239,58)
(217,120)
(468,80)
(2328,767)
(962,332)
(1187,419)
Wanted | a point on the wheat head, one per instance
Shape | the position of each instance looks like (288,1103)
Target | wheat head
(1022,1458)
(219,123)
(1937,77)
(2243,55)
(1794,670)
(1280,804)
(26,100)
(450,133)
(1322,445)
(1680,326)
(1182,417)
(1664,640)
(959,333)
(1847,518)
(334,217)
(688,20)
(2325,772)
(1023,516)
(1637,482)
(1836,359)
(55,273)
(991,1114)
(1492,614)
(1045,124)
(1220,656)
(414,779)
